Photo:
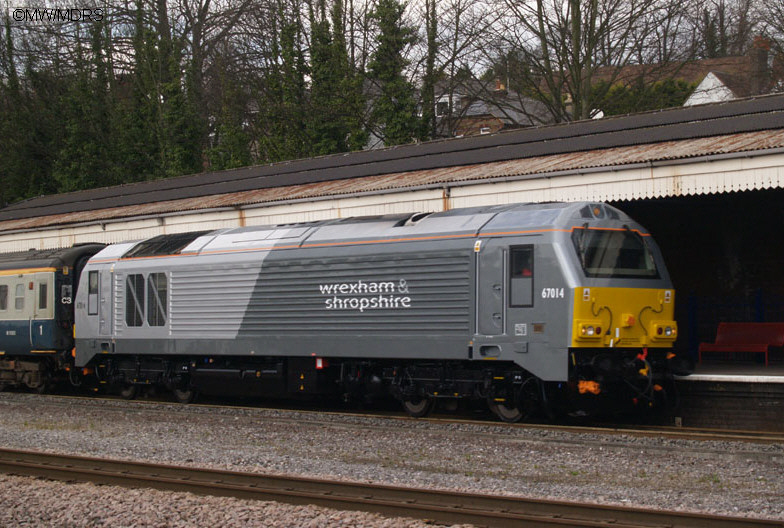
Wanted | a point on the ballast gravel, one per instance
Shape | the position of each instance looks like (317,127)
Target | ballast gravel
(742,479)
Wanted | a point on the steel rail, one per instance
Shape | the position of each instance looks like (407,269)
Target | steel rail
(637,430)
(435,505)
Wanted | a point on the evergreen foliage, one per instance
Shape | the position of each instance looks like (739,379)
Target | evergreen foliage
(428,123)
(231,143)
(280,119)
(621,99)
(86,158)
(394,112)
(159,88)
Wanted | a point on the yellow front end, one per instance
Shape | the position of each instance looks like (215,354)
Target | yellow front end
(624,317)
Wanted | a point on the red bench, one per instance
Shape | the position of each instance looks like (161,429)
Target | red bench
(746,337)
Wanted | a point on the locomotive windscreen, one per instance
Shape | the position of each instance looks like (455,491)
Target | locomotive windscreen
(619,254)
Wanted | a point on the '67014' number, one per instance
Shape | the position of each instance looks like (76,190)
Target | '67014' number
(552,293)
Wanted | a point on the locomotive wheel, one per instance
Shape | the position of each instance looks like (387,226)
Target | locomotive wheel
(419,407)
(507,413)
(184,396)
(526,403)
(75,378)
(129,391)
(42,386)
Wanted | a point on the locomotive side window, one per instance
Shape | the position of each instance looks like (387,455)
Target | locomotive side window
(521,276)
(134,300)
(19,297)
(3,298)
(92,293)
(156,299)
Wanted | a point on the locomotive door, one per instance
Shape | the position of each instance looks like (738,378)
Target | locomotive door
(519,280)
(99,291)
(490,316)
(105,305)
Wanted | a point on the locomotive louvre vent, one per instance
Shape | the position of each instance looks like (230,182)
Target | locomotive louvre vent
(163,245)
(413,219)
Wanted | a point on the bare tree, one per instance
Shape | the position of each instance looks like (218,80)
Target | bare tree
(556,51)
(773,15)
(723,28)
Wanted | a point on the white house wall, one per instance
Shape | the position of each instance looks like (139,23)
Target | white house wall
(710,90)
(757,171)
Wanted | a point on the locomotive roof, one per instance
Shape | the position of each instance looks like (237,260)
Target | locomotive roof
(46,258)
(468,222)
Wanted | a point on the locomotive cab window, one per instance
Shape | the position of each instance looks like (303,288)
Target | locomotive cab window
(615,254)
(134,300)
(3,298)
(92,293)
(521,276)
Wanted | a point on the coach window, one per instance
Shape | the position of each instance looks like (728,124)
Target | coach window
(43,295)
(156,299)
(521,279)
(3,298)
(19,298)
(134,300)
(92,293)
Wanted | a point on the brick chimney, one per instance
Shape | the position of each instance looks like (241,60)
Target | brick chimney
(759,80)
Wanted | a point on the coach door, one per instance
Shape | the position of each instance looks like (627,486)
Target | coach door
(42,304)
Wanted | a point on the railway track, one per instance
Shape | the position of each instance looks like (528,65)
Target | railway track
(437,506)
(637,430)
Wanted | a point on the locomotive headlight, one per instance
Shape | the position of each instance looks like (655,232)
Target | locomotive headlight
(664,330)
(588,330)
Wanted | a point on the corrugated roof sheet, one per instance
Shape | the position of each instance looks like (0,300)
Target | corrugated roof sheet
(747,115)
(533,167)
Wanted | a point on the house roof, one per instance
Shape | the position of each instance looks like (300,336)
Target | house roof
(739,85)
(689,71)
(510,108)
(477,157)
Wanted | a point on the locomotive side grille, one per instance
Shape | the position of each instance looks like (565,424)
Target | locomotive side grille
(119,303)
(381,294)
(209,300)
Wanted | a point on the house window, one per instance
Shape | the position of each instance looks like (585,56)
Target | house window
(19,299)
(442,108)
(134,300)
(156,299)
(3,298)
